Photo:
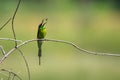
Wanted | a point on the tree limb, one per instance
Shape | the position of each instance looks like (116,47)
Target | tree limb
(13,22)
(26,63)
(10,39)
(5,24)
(60,41)
(2,49)
(10,72)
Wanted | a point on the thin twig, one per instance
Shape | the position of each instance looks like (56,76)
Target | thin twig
(13,22)
(2,49)
(26,63)
(5,24)
(60,41)
(11,73)
(13,77)
(3,74)
(9,39)
(9,76)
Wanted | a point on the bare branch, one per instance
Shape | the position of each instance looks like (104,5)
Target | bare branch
(13,22)
(3,74)
(2,49)
(5,24)
(13,77)
(9,76)
(14,74)
(9,39)
(27,66)
(83,50)
(60,41)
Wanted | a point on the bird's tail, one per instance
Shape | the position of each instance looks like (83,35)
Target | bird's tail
(39,54)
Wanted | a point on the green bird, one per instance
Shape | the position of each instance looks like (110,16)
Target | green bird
(40,35)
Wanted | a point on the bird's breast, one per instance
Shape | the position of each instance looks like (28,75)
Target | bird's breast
(42,33)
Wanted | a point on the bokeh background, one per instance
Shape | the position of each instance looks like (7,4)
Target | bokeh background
(91,24)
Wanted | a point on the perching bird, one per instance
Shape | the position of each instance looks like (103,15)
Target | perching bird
(40,35)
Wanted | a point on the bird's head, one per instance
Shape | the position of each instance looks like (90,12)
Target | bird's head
(44,21)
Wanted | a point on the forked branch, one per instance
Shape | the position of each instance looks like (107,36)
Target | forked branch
(5,24)
(2,49)
(26,63)
(13,22)
(60,41)
(10,39)
(10,72)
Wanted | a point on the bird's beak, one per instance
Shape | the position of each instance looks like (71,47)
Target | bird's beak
(44,21)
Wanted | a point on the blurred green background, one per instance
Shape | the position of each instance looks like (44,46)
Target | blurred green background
(92,24)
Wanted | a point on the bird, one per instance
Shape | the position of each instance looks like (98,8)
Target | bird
(41,35)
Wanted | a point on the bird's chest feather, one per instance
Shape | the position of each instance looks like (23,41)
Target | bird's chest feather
(42,33)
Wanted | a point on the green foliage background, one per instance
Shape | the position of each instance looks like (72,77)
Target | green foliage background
(92,25)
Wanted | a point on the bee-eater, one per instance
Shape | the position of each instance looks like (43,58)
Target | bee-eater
(40,35)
